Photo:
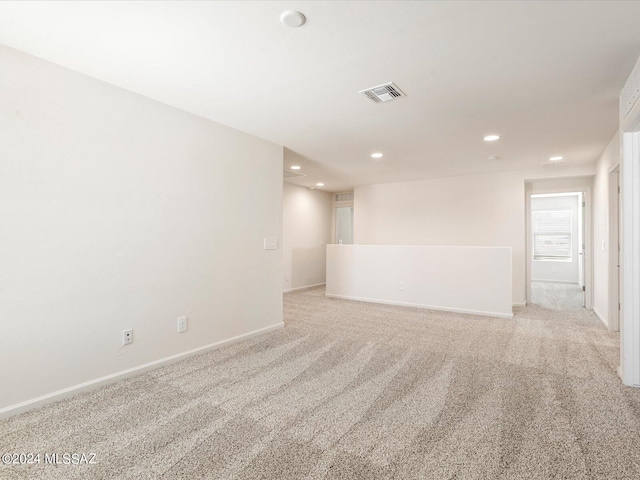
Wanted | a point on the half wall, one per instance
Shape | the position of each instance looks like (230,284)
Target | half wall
(474,280)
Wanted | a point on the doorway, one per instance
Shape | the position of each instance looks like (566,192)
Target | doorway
(342,231)
(344,225)
(557,239)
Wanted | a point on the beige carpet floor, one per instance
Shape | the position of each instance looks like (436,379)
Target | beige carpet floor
(557,295)
(351,390)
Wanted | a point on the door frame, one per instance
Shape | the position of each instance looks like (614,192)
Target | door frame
(587,237)
(630,250)
(613,246)
(334,205)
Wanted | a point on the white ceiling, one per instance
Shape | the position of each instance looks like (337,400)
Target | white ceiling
(544,75)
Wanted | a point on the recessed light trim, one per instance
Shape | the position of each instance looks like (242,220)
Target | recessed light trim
(557,158)
(377,155)
(319,184)
(295,167)
(491,138)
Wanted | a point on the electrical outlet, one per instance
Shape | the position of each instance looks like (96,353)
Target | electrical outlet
(127,336)
(401,286)
(182,324)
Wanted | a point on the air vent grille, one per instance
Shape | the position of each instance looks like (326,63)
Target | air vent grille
(344,197)
(383,93)
(292,174)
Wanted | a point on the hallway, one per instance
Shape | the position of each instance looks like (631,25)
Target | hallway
(557,295)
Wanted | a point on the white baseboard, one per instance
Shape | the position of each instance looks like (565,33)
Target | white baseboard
(550,280)
(599,315)
(519,304)
(21,407)
(619,372)
(303,288)
(427,307)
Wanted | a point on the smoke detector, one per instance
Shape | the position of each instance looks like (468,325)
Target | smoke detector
(292,18)
(383,93)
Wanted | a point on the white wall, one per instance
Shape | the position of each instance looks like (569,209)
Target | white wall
(551,270)
(604,261)
(473,280)
(119,212)
(306,230)
(473,210)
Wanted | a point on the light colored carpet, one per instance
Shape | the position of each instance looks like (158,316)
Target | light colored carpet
(352,390)
(556,295)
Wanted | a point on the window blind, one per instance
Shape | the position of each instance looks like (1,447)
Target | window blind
(552,235)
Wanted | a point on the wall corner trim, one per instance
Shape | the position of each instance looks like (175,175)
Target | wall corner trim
(601,317)
(33,403)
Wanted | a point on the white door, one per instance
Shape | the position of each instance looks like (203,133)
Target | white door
(581,244)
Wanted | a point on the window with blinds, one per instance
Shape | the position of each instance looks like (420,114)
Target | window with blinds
(552,235)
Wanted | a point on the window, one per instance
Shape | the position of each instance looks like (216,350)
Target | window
(552,235)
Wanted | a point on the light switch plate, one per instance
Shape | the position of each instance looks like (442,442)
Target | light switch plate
(270,243)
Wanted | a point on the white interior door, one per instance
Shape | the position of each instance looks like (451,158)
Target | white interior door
(581,245)
(618,253)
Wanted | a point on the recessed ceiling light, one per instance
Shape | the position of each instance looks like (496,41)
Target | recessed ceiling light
(376,155)
(319,184)
(556,159)
(291,18)
(491,138)
(295,167)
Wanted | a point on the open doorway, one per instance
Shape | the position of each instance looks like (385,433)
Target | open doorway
(558,250)
(342,218)
(344,225)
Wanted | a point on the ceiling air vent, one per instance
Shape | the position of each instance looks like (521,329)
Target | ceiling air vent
(344,197)
(291,174)
(383,93)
